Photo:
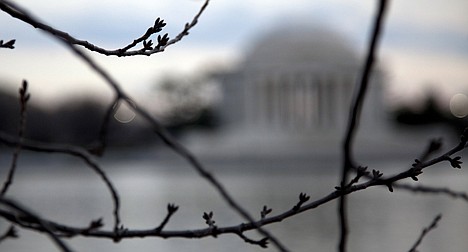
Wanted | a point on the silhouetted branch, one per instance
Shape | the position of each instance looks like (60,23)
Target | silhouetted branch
(157,27)
(187,155)
(171,209)
(73,151)
(23,218)
(412,172)
(157,127)
(378,179)
(23,213)
(11,233)
(9,44)
(99,147)
(356,107)
(24,97)
(262,242)
(425,231)
(163,41)
(433,190)
(434,145)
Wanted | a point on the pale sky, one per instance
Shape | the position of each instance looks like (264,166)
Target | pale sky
(425,41)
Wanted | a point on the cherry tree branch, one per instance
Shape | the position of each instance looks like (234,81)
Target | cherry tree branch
(425,231)
(24,97)
(147,50)
(358,100)
(24,213)
(11,233)
(72,151)
(156,125)
(9,44)
(301,206)
(433,190)
(56,230)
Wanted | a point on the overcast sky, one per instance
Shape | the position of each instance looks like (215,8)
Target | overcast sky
(425,41)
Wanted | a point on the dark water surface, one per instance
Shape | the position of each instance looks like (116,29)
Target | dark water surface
(64,190)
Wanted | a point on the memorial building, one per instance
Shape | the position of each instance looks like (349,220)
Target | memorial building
(292,94)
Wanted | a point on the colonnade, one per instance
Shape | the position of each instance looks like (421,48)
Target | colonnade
(297,101)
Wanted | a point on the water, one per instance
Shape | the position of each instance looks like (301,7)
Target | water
(64,190)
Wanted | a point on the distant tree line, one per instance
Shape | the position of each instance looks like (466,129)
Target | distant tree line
(78,122)
(430,113)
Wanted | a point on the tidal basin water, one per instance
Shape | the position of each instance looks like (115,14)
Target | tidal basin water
(64,190)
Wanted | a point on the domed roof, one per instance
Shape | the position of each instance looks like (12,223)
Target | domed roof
(301,45)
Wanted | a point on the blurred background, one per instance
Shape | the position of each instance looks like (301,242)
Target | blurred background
(260,91)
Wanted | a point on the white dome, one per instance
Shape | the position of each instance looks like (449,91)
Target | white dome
(301,45)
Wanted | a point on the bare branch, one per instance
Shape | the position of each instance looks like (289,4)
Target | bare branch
(24,97)
(73,151)
(377,180)
(24,213)
(171,209)
(157,27)
(99,147)
(425,231)
(433,190)
(163,42)
(9,234)
(262,242)
(56,230)
(157,127)
(358,100)
(9,44)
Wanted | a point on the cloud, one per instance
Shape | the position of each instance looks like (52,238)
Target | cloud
(419,27)
(427,27)
(435,14)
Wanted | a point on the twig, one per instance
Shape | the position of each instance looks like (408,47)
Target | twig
(194,162)
(99,147)
(157,127)
(24,16)
(158,25)
(10,233)
(9,44)
(119,232)
(35,219)
(425,231)
(171,209)
(433,190)
(355,112)
(73,151)
(199,233)
(24,97)
(262,242)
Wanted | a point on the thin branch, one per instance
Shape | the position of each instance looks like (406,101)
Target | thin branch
(236,229)
(24,16)
(262,242)
(355,112)
(433,190)
(157,127)
(425,231)
(158,25)
(100,146)
(171,209)
(9,44)
(119,232)
(194,162)
(73,151)
(24,97)
(11,233)
(187,27)
(434,146)
(24,213)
